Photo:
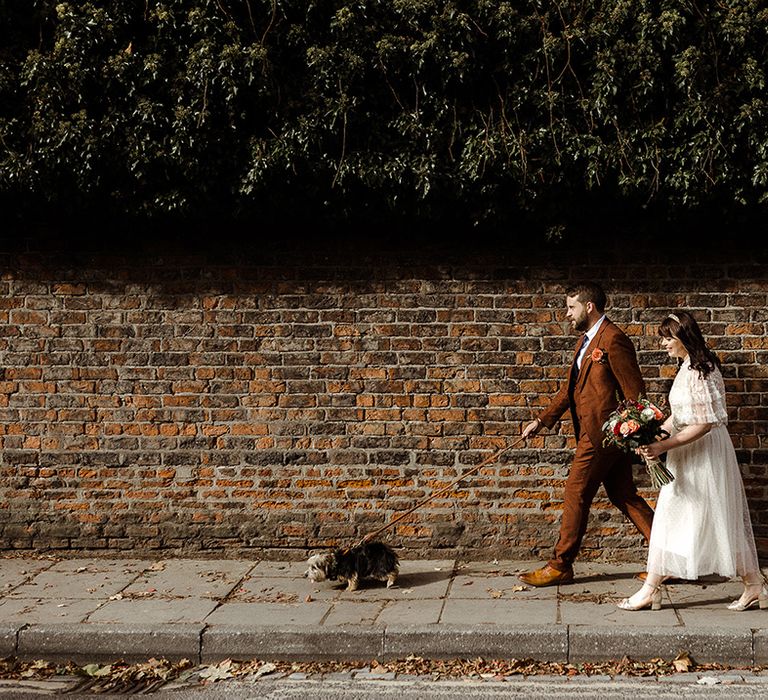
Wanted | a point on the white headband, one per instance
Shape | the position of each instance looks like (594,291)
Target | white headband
(674,318)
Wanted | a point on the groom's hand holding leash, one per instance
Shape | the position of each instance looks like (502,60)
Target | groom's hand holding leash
(532,428)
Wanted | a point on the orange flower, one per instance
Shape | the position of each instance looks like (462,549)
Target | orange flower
(598,355)
(631,426)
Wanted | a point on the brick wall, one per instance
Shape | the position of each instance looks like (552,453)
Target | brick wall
(266,401)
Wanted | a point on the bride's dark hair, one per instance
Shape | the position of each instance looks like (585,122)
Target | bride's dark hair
(683,326)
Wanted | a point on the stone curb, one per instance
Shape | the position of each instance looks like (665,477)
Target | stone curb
(106,642)
(298,643)
(9,635)
(200,643)
(760,647)
(706,645)
(545,642)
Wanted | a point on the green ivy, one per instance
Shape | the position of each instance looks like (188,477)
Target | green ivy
(479,112)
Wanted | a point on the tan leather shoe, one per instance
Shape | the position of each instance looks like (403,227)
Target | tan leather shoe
(546,576)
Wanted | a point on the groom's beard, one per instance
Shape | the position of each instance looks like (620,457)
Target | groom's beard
(580,324)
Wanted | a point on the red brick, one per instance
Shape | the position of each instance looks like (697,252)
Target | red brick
(303,400)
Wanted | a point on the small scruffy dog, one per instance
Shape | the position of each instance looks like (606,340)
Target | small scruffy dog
(373,560)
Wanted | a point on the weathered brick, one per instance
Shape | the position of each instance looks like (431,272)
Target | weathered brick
(238,404)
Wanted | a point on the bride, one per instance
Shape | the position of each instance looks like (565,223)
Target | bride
(701,523)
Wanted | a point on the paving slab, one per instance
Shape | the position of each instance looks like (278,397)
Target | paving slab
(361,613)
(34,611)
(495,579)
(500,612)
(292,569)
(503,567)
(702,618)
(285,589)
(15,572)
(600,590)
(269,614)
(81,578)
(413,612)
(591,572)
(209,578)
(610,615)
(152,612)
(705,594)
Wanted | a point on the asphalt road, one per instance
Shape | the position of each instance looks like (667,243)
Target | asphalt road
(554,689)
(551,688)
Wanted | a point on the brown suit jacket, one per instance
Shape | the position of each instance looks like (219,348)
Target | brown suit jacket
(591,394)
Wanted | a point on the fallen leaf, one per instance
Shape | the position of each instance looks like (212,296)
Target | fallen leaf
(682,662)
(219,672)
(308,599)
(97,671)
(265,669)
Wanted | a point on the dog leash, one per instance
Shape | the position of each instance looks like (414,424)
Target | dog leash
(445,488)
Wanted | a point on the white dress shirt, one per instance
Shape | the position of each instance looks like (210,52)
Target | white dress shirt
(591,333)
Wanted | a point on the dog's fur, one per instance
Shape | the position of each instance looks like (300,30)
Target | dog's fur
(373,560)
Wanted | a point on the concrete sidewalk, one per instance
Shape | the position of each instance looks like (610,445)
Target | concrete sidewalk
(94,609)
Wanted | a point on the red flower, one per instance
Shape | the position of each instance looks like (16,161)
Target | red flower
(598,355)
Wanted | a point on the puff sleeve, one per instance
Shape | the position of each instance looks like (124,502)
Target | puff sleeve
(704,400)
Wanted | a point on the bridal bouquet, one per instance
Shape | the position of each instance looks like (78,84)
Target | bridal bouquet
(637,423)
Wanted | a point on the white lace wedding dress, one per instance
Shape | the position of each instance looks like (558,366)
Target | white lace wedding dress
(701,524)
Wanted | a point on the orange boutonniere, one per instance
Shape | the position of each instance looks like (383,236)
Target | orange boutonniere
(599,355)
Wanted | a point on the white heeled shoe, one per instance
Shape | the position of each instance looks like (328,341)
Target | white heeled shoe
(761,600)
(654,602)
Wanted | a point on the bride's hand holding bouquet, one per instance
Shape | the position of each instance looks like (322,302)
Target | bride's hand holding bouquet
(653,450)
(635,426)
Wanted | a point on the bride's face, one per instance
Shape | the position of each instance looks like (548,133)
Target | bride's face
(674,347)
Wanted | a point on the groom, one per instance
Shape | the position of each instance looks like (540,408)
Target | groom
(604,366)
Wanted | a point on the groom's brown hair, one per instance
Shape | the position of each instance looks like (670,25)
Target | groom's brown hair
(588,291)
